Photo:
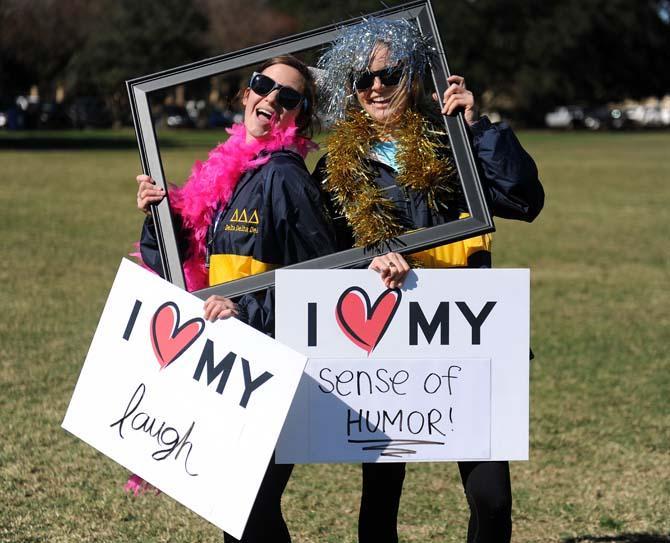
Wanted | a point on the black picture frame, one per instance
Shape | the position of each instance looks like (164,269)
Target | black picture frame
(140,89)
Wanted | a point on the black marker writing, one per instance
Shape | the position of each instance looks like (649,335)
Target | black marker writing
(414,422)
(395,448)
(363,383)
(164,435)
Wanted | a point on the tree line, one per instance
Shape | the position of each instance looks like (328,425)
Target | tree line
(521,57)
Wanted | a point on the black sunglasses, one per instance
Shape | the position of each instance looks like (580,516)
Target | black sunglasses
(287,97)
(388,76)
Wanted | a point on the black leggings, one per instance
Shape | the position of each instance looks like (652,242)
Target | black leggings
(266,523)
(487,489)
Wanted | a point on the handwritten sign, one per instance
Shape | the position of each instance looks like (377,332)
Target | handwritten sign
(435,371)
(193,407)
(397,409)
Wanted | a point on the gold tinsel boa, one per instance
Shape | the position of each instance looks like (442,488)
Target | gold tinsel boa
(424,165)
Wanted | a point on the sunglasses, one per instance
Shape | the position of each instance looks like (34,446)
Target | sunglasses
(388,76)
(287,97)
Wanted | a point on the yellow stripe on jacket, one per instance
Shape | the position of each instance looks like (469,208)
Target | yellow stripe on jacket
(454,255)
(224,268)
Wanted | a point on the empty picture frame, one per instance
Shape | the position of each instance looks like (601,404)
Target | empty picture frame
(141,89)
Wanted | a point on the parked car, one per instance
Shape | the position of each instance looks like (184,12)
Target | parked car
(52,116)
(565,117)
(24,114)
(89,112)
(606,118)
(649,116)
(174,117)
(219,118)
(596,118)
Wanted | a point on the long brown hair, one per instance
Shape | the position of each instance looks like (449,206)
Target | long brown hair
(308,107)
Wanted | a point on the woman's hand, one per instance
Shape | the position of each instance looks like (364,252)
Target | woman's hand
(392,267)
(218,307)
(147,193)
(457,97)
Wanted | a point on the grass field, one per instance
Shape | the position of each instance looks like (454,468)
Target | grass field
(600,416)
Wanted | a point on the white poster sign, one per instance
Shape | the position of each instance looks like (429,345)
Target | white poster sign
(435,371)
(193,407)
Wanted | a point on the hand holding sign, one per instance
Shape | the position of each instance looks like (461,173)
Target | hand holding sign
(220,307)
(392,267)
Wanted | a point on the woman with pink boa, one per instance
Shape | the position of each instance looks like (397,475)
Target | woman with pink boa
(251,207)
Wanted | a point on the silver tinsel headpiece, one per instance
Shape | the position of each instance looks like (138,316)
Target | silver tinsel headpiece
(350,54)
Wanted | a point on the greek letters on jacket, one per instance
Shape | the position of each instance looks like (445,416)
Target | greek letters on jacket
(275,218)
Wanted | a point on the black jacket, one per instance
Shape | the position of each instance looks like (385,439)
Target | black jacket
(509,177)
(275,218)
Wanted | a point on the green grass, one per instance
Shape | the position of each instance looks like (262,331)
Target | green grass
(600,438)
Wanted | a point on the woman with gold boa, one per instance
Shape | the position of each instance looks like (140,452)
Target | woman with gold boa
(388,170)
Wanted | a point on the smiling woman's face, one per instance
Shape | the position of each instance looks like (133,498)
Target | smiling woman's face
(262,112)
(385,104)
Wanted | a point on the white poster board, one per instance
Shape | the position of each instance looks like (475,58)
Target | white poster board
(435,371)
(193,407)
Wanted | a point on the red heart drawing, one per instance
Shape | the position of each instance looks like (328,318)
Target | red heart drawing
(365,324)
(170,340)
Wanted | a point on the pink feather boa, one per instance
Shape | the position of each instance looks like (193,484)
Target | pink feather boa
(212,183)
